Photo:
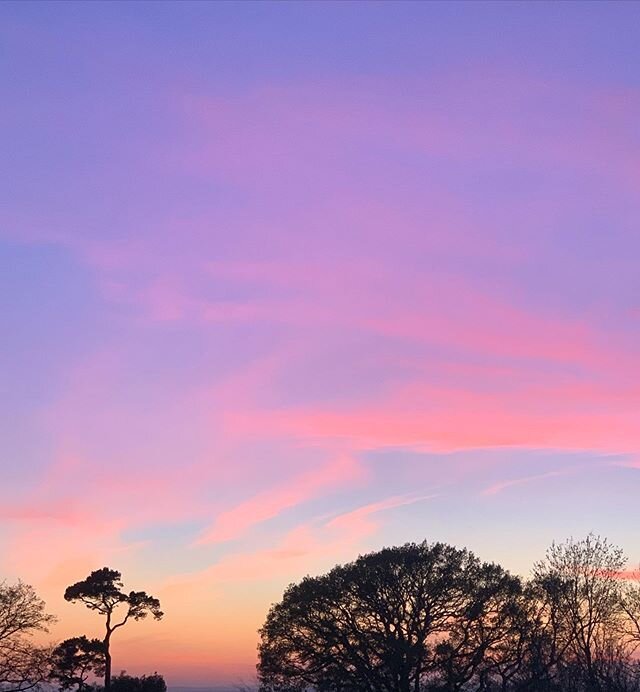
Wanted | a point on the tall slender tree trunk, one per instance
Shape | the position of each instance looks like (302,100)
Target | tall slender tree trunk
(107,661)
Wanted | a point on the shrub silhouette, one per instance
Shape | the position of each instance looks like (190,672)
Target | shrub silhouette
(145,683)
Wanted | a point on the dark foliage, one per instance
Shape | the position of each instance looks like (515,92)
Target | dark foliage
(145,683)
(75,660)
(102,591)
(434,618)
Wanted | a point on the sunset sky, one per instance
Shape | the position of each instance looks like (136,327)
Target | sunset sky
(281,283)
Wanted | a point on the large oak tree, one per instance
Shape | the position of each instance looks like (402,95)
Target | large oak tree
(390,621)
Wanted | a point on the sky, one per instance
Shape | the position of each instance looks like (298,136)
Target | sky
(284,283)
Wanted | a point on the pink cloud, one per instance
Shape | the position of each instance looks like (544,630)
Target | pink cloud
(59,511)
(235,522)
(452,419)
(306,544)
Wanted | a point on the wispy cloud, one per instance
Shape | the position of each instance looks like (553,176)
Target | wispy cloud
(501,486)
(235,522)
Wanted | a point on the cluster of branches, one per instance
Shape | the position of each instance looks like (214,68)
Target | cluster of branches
(431,617)
(23,665)
(76,663)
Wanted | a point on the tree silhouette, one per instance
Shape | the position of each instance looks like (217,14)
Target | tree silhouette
(631,607)
(102,591)
(432,618)
(23,666)
(589,603)
(391,620)
(480,641)
(74,660)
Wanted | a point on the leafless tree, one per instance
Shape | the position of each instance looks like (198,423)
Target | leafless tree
(588,606)
(631,607)
(23,666)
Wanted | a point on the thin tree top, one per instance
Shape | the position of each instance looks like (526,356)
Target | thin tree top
(102,590)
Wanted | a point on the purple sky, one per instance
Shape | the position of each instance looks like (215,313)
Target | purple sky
(285,282)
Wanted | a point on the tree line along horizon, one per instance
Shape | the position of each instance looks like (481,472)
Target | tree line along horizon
(425,617)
